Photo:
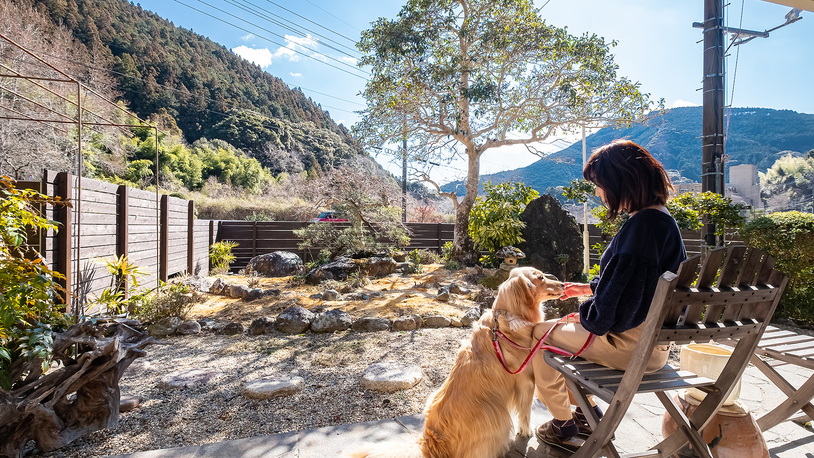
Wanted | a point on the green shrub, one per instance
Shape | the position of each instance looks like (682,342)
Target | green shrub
(494,221)
(424,257)
(220,255)
(28,315)
(168,300)
(789,237)
(447,249)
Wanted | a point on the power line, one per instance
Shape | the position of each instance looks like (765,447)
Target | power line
(265,14)
(270,40)
(329,13)
(273,33)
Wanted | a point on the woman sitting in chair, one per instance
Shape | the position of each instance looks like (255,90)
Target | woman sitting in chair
(628,179)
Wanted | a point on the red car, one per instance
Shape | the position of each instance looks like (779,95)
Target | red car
(331,216)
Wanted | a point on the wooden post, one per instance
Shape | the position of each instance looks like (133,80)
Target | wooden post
(64,216)
(438,232)
(254,239)
(123,228)
(190,238)
(164,224)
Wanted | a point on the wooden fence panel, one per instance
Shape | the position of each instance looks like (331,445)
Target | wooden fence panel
(255,238)
(144,232)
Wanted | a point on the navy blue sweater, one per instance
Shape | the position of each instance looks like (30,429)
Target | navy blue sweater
(647,245)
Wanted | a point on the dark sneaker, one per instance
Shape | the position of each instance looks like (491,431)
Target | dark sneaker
(545,433)
(584,428)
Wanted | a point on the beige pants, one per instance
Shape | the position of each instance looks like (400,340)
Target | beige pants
(612,350)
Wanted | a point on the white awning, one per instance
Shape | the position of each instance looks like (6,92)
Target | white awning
(799,4)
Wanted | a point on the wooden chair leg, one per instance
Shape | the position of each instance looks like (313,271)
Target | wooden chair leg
(603,429)
(684,426)
(798,399)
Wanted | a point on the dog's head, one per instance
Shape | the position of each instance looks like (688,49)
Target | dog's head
(520,295)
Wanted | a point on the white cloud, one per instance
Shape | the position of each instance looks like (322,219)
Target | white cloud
(261,57)
(247,37)
(683,103)
(288,53)
(295,75)
(349,60)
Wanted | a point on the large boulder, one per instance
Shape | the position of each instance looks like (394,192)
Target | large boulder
(294,320)
(332,320)
(551,234)
(338,269)
(380,266)
(276,264)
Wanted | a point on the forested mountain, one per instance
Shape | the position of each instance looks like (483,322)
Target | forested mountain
(756,136)
(208,90)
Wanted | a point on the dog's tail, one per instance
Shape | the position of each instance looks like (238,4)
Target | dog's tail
(394,449)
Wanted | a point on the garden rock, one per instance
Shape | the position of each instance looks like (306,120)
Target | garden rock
(436,321)
(218,286)
(338,269)
(206,324)
(128,403)
(406,323)
(443,295)
(380,267)
(198,283)
(232,329)
(190,378)
(272,387)
(189,327)
(332,320)
(164,327)
(400,256)
(294,320)
(357,297)
(551,235)
(238,291)
(455,288)
(330,295)
(405,267)
(471,316)
(388,377)
(254,293)
(276,264)
(260,326)
(371,324)
(557,308)
(455,322)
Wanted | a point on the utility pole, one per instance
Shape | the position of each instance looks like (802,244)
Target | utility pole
(586,254)
(712,145)
(404,181)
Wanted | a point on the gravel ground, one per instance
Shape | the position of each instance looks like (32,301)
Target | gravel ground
(330,364)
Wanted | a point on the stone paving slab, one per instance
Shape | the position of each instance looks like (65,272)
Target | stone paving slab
(640,430)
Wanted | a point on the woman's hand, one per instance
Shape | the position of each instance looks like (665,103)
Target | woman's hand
(575,290)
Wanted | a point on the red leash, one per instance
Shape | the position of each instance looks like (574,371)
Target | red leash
(496,334)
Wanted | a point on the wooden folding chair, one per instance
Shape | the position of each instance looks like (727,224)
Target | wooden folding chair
(733,300)
(786,347)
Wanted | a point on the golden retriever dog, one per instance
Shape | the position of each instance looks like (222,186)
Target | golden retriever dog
(470,416)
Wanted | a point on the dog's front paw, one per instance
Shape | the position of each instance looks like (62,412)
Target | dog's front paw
(525,431)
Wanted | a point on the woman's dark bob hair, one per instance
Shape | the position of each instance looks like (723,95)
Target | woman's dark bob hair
(631,178)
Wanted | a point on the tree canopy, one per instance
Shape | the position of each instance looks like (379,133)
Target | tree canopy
(461,77)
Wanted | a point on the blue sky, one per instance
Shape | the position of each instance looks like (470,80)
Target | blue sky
(657,46)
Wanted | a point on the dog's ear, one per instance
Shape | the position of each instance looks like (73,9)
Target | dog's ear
(517,292)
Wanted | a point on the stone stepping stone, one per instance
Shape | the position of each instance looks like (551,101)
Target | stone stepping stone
(388,377)
(128,403)
(272,387)
(190,378)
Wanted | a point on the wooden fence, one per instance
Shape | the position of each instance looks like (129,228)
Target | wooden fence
(157,233)
(255,238)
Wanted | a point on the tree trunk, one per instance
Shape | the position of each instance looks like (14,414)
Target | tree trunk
(79,397)
(465,252)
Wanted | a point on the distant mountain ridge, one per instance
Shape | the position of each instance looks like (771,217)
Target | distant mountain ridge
(756,136)
(208,90)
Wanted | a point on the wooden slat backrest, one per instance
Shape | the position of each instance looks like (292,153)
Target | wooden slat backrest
(738,304)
